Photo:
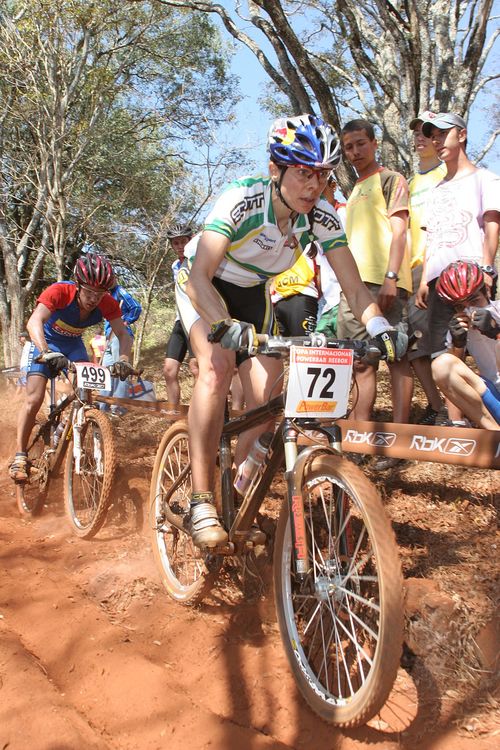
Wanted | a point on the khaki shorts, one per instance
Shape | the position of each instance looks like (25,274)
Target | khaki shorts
(349,327)
(418,320)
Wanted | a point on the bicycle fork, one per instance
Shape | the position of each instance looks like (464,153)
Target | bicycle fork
(78,424)
(296,464)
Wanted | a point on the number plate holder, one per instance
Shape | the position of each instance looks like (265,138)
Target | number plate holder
(93,377)
(319,382)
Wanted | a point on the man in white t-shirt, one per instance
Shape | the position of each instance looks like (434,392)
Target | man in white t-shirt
(475,325)
(461,218)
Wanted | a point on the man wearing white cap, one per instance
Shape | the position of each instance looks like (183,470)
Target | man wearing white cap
(461,218)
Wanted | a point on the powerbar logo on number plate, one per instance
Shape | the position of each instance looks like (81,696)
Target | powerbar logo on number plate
(385,439)
(452,446)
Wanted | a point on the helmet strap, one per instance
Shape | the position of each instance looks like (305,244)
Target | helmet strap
(277,187)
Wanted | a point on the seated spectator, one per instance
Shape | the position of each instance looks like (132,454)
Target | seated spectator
(475,325)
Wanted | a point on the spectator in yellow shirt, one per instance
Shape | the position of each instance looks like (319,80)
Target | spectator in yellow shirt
(376,228)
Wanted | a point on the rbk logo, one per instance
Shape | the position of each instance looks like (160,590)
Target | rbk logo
(451,446)
(385,439)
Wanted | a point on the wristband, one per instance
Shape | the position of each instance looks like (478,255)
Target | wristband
(376,325)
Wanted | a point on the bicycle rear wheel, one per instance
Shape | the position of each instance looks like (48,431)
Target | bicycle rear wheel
(187,572)
(343,628)
(31,495)
(87,495)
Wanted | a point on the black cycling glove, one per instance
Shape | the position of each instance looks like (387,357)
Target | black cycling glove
(483,320)
(55,361)
(458,333)
(392,344)
(233,334)
(121,369)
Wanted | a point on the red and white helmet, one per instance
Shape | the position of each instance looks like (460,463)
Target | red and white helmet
(459,281)
(96,271)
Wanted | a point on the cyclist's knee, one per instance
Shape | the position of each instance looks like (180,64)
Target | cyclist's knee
(216,374)
(171,370)
(442,367)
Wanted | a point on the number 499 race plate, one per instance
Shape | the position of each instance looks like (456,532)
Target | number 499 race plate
(318,382)
(92,376)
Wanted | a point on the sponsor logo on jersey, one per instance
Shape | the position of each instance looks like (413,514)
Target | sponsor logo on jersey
(326,220)
(247,204)
(65,329)
(385,439)
(258,241)
(451,446)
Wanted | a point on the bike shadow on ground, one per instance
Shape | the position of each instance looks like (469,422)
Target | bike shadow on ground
(264,696)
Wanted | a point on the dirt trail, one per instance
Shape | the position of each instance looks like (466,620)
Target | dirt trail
(94,655)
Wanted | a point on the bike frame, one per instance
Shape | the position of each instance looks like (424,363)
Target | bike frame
(73,425)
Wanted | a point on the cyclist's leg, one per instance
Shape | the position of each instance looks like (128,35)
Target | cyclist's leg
(177,347)
(206,409)
(205,420)
(464,389)
(35,392)
(34,395)
(261,380)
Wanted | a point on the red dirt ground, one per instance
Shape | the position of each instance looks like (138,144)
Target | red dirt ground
(94,655)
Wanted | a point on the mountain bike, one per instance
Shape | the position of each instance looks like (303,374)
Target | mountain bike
(82,436)
(336,570)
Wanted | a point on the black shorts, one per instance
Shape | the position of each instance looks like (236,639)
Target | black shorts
(296,315)
(177,345)
(251,304)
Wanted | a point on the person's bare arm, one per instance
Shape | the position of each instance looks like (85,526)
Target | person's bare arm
(209,255)
(39,316)
(389,290)
(491,224)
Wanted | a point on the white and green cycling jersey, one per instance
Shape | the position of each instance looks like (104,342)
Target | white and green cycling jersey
(258,250)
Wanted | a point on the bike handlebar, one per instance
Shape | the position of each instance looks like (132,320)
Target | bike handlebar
(72,368)
(281,344)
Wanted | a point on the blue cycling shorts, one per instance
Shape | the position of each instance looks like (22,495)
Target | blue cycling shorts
(74,350)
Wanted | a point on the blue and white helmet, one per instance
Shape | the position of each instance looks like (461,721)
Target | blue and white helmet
(306,141)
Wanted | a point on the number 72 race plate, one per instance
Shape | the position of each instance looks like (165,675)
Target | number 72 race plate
(92,376)
(319,380)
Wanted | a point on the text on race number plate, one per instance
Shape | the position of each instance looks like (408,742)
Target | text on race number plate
(319,381)
(92,376)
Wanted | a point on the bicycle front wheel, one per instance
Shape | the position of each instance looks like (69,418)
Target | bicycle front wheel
(342,627)
(87,492)
(31,495)
(187,573)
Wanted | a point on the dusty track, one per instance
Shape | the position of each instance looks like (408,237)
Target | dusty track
(94,655)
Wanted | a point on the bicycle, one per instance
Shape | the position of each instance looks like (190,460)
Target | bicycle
(337,576)
(81,435)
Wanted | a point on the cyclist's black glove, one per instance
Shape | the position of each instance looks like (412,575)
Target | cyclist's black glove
(121,369)
(483,320)
(55,361)
(458,333)
(233,334)
(391,343)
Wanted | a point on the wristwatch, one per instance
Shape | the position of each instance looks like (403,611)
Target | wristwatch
(392,275)
(490,270)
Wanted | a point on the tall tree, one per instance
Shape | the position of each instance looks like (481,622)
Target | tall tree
(67,65)
(380,59)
